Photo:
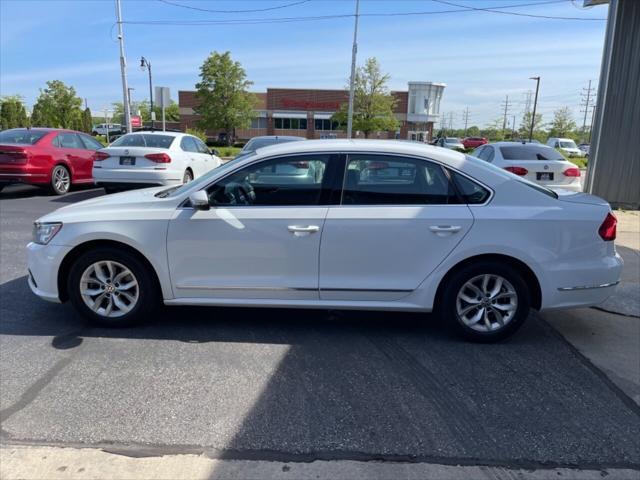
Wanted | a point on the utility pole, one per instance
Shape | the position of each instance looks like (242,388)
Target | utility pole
(506,109)
(123,70)
(586,97)
(527,101)
(535,104)
(465,113)
(450,120)
(513,126)
(593,111)
(352,80)
(144,63)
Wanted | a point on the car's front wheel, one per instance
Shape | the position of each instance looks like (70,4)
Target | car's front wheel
(112,288)
(486,301)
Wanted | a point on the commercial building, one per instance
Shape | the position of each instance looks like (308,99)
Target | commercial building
(307,112)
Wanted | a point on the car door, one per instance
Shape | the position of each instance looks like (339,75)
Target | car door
(77,156)
(91,146)
(192,156)
(261,237)
(208,161)
(399,218)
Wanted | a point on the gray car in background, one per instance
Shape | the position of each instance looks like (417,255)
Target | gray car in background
(259,142)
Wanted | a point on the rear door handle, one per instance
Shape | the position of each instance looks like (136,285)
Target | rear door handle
(299,230)
(443,229)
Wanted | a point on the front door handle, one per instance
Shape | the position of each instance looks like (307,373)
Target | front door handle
(299,230)
(442,230)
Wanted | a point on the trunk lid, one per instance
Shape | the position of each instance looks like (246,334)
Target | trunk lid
(585,198)
(132,157)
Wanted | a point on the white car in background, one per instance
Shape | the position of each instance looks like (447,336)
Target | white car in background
(566,146)
(146,159)
(371,224)
(535,162)
(452,143)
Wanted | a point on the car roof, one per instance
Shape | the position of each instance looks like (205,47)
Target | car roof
(43,129)
(374,146)
(158,132)
(286,137)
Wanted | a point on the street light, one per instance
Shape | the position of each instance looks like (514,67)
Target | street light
(535,103)
(144,63)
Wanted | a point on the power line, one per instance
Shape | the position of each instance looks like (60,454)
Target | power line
(465,115)
(586,97)
(495,10)
(256,21)
(190,7)
(506,106)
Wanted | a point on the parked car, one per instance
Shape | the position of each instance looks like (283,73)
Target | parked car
(535,162)
(264,141)
(248,234)
(474,142)
(152,158)
(110,128)
(566,146)
(584,148)
(47,157)
(451,143)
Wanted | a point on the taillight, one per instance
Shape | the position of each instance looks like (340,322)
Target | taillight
(572,172)
(158,157)
(517,170)
(100,156)
(607,230)
(14,155)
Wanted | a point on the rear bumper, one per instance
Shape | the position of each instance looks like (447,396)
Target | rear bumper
(17,176)
(122,177)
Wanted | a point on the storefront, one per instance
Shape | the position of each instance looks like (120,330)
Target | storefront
(307,113)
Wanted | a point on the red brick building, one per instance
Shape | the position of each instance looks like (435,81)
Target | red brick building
(307,112)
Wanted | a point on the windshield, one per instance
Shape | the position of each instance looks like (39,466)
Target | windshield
(203,180)
(21,136)
(568,144)
(452,140)
(530,152)
(144,140)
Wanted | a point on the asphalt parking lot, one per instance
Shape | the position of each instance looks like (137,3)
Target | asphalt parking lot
(295,385)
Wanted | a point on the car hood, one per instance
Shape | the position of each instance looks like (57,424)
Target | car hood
(118,206)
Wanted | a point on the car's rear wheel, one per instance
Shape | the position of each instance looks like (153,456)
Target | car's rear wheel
(60,180)
(2,185)
(112,288)
(187,177)
(486,301)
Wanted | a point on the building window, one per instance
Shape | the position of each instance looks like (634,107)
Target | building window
(290,123)
(326,124)
(260,122)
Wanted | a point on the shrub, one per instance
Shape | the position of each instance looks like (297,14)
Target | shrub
(197,133)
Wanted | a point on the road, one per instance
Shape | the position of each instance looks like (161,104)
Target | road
(295,385)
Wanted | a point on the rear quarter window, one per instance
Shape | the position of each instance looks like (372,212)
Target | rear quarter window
(470,191)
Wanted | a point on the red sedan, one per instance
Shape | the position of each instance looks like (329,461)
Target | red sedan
(47,157)
(474,142)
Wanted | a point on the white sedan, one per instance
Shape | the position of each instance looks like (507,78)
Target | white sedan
(535,162)
(370,224)
(145,159)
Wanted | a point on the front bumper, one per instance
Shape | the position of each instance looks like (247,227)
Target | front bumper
(44,263)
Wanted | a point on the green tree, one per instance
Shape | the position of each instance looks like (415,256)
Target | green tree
(493,131)
(372,102)
(224,100)
(473,131)
(172,112)
(12,113)
(87,121)
(525,126)
(562,124)
(57,106)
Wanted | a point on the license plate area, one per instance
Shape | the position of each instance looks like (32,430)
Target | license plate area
(544,176)
(128,161)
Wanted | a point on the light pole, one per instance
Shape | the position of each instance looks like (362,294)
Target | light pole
(535,104)
(123,70)
(352,80)
(144,63)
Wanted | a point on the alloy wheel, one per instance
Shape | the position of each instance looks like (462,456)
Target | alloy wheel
(61,179)
(487,303)
(109,288)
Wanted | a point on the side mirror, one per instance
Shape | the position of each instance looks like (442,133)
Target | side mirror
(199,200)
(215,152)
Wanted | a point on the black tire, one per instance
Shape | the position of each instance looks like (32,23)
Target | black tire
(187,177)
(60,183)
(147,287)
(2,185)
(449,301)
(110,190)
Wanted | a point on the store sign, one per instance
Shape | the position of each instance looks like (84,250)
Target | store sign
(308,105)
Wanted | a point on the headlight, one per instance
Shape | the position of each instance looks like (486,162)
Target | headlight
(44,232)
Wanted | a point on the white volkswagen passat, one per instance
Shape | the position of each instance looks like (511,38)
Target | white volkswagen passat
(342,224)
(532,161)
(146,159)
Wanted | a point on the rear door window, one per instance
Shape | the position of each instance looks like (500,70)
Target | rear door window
(91,143)
(188,145)
(70,140)
(395,180)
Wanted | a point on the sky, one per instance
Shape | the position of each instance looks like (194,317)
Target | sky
(481,56)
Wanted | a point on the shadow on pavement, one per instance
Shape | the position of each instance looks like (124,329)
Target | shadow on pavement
(77,193)
(299,385)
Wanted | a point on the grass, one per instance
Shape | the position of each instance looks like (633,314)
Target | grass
(228,151)
(580,162)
